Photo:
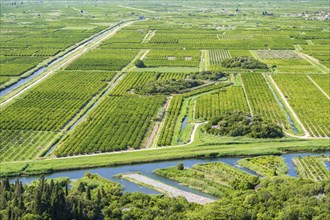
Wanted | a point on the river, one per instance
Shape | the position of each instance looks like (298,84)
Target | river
(147,168)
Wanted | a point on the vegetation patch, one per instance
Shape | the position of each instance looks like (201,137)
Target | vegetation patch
(207,75)
(167,86)
(265,165)
(244,63)
(242,124)
(217,178)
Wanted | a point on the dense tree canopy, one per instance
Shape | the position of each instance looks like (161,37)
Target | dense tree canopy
(167,86)
(242,124)
(243,62)
(93,197)
(277,198)
(207,75)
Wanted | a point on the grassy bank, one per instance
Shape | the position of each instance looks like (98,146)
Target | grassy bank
(35,167)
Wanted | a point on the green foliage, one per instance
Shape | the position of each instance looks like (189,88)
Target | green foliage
(261,99)
(32,121)
(207,75)
(312,168)
(278,198)
(244,63)
(218,179)
(139,64)
(165,137)
(265,165)
(102,200)
(220,101)
(180,166)
(306,100)
(104,59)
(240,124)
(118,123)
(167,86)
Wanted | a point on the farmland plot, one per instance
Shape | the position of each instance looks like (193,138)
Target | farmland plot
(182,58)
(103,59)
(215,103)
(46,110)
(309,103)
(261,99)
(322,80)
(277,54)
(217,56)
(312,167)
(118,123)
(291,66)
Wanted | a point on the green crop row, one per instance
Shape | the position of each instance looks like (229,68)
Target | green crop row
(312,167)
(215,103)
(261,99)
(118,123)
(308,102)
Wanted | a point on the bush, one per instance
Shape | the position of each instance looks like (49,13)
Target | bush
(140,64)
(207,75)
(244,63)
(180,166)
(167,86)
(242,124)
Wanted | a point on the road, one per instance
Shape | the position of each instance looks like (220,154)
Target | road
(167,189)
(78,52)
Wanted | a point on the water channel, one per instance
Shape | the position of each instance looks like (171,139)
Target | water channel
(22,81)
(147,168)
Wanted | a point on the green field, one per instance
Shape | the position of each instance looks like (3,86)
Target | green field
(141,81)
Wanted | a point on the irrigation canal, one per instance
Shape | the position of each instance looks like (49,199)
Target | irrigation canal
(147,168)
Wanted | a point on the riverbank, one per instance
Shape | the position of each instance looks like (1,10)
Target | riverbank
(37,167)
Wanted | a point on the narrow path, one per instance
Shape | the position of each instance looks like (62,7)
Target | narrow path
(289,107)
(315,62)
(192,135)
(144,55)
(161,125)
(137,9)
(79,51)
(152,135)
(167,189)
(324,93)
(246,96)
(204,62)
(148,37)
(131,65)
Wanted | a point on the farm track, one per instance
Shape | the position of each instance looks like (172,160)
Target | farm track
(192,139)
(193,133)
(161,125)
(78,52)
(152,135)
(326,95)
(246,97)
(148,37)
(314,62)
(167,189)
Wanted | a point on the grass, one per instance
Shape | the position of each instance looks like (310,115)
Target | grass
(196,150)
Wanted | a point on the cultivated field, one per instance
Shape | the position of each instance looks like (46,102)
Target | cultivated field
(91,102)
